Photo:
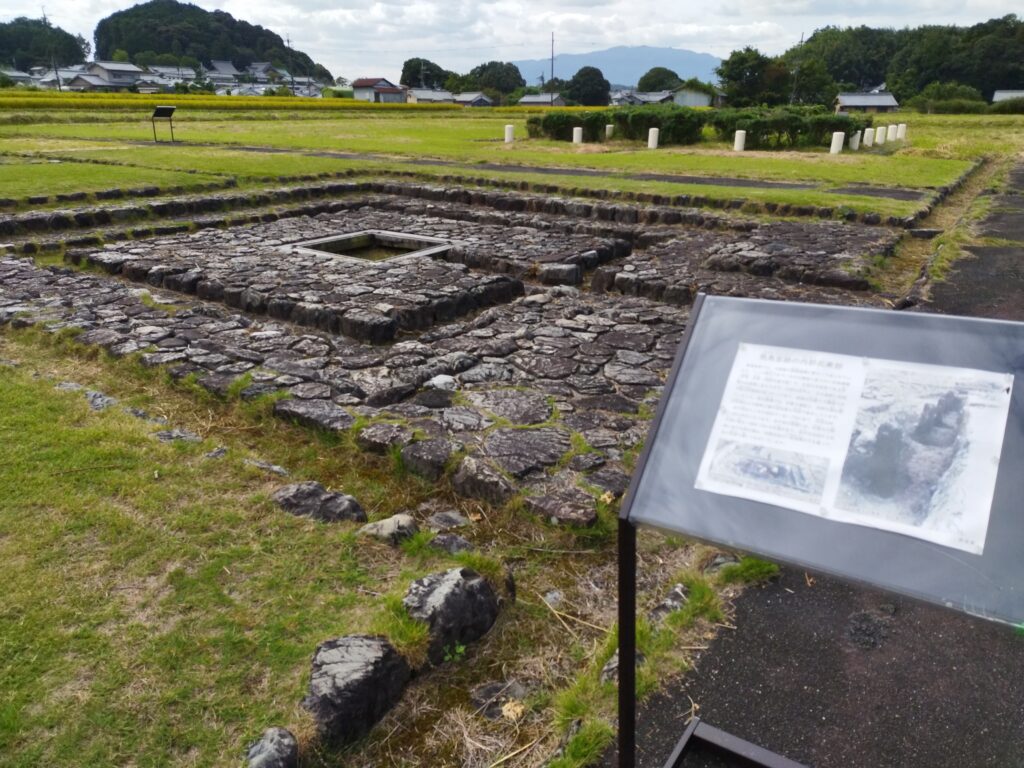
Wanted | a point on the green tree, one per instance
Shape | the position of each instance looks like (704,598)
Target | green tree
(423,73)
(554,85)
(146,59)
(503,77)
(27,43)
(120,55)
(748,78)
(184,29)
(952,90)
(812,84)
(588,87)
(659,79)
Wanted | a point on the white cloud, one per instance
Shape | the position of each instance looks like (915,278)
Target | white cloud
(374,37)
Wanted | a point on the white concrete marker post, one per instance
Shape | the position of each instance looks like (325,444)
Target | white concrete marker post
(838,139)
(510,134)
(880,135)
(652,138)
(869,137)
(577,135)
(891,133)
(740,141)
(901,131)
(609,131)
(855,141)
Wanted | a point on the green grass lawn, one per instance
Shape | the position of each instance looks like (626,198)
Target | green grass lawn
(157,607)
(20,177)
(475,139)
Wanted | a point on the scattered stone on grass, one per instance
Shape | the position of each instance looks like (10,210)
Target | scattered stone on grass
(445,521)
(311,499)
(381,438)
(277,748)
(459,606)
(451,543)
(428,458)
(563,504)
(475,479)
(490,699)
(319,414)
(217,453)
(266,466)
(720,561)
(355,681)
(177,435)
(392,529)
(673,601)
(610,670)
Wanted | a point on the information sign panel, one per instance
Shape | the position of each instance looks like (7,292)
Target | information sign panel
(879,446)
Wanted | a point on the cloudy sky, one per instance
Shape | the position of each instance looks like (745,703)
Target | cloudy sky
(363,37)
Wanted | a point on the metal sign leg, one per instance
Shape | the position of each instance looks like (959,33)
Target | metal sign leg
(627,644)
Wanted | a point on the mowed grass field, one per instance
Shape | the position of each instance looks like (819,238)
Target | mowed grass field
(940,150)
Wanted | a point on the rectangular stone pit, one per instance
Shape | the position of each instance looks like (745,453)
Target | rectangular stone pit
(374,245)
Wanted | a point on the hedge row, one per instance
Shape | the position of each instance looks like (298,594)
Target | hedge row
(677,125)
(785,126)
(1008,107)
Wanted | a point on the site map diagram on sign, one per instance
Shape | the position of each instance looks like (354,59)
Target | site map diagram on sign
(903,447)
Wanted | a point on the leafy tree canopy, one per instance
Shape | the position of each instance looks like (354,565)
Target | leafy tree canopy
(183,29)
(26,43)
(659,79)
(988,56)
(503,77)
(423,73)
(749,78)
(588,87)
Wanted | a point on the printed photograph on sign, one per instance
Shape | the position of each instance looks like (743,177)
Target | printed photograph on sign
(786,473)
(903,447)
(925,448)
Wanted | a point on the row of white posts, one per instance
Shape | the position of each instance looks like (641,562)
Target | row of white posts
(870,137)
(577,135)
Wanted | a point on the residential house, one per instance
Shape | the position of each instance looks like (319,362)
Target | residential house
(265,72)
(690,97)
(377,90)
(174,74)
(1006,96)
(119,74)
(866,102)
(50,78)
(542,100)
(222,74)
(429,96)
(629,98)
(473,99)
(19,77)
(85,81)
(306,86)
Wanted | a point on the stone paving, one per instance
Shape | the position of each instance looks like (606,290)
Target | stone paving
(503,384)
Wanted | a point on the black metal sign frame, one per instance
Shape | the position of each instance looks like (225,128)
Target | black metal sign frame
(163,113)
(989,584)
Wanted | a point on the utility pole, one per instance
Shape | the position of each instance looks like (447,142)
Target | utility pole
(796,70)
(288,48)
(552,55)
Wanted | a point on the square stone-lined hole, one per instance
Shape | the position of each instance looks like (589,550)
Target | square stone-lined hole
(375,245)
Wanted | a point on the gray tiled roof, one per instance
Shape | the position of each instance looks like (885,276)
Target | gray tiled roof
(867,100)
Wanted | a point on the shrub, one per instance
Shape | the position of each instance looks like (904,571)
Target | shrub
(769,128)
(1008,107)
(677,125)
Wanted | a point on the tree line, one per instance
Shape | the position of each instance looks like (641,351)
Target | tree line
(983,58)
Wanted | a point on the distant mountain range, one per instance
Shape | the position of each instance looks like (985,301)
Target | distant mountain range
(624,64)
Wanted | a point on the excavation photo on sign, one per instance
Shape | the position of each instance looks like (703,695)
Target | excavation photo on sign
(904,447)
